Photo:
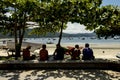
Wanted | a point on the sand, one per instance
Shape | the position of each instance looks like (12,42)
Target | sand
(59,75)
(105,51)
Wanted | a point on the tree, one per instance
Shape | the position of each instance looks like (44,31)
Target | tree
(58,13)
(105,21)
(45,20)
(75,11)
(21,11)
(61,14)
(3,11)
(86,13)
(51,15)
(109,21)
(55,16)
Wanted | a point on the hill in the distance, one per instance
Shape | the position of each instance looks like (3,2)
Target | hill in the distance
(52,35)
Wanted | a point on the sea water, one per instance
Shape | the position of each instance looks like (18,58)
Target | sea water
(67,40)
(75,40)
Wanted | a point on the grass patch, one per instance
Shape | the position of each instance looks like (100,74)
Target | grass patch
(6,58)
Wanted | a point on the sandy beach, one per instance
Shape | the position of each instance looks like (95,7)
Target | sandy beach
(104,51)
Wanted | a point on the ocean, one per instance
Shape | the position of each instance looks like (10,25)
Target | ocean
(68,40)
(71,40)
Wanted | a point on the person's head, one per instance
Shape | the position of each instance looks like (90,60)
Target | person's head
(28,47)
(43,46)
(86,45)
(58,45)
(76,46)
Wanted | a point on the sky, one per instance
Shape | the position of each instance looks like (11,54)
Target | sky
(77,28)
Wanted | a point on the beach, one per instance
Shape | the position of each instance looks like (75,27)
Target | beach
(104,51)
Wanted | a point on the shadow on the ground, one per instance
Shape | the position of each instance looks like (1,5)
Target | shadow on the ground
(50,74)
(53,74)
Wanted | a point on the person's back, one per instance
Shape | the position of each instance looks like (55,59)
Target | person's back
(87,53)
(59,53)
(43,53)
(76,53)
(26,54)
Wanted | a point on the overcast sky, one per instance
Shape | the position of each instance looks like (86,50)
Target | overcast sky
(77,28)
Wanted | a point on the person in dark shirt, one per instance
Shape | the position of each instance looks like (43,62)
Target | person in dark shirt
(87,53)
(59,53)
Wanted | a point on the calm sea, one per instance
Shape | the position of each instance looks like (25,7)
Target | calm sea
(74,40)
(68,40)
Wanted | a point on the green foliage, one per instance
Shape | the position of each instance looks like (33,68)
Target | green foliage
(21,11)
(3,17)
(50,14)
(109,21)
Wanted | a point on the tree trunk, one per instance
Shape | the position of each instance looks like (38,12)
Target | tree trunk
(60,36)
(16,41)
(19,44)
(16,46)
(19,38)
(16,36)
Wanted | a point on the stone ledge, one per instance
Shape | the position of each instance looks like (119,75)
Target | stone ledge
(34,64)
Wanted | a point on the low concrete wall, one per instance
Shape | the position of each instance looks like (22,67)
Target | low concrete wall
(23,65)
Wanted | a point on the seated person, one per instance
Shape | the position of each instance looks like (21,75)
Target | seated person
(43,53)
(87,53)
(59,53)
(26,54)
(75,53)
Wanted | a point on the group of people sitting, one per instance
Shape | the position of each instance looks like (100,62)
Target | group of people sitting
(87,53)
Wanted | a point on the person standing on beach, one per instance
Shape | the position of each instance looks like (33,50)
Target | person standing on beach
(43,53)
(75,53)
(87,53)
(59,53)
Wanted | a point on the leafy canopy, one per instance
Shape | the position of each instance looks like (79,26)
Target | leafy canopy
(109,21)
